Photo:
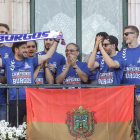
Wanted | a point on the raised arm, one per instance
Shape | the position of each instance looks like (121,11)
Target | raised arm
(110,62)
(42,58)
(92,64)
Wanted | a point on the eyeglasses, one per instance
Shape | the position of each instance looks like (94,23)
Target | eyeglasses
(127,33)
(106,44)
(70,51)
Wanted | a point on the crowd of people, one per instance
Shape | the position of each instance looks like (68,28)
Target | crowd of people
(23,64)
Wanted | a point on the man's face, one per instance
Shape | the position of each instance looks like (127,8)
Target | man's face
(107,47)
(71,52)
(129,36)
(3,30)
(21,52)
(31,49)
(48,43)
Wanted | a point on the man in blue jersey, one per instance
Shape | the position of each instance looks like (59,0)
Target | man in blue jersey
(93,73)
(110,65)
(42,74)
(56,60)
(131,56)
(19,70)
(5,52)
(74,71)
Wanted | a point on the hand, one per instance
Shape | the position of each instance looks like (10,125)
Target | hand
(52,68)
(73,59)
(68,63)
(98,41)
(138,98)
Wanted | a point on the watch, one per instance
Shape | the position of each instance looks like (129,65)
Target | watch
(75,67)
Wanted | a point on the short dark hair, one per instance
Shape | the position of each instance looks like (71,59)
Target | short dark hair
(17,45)
(5,25)
(34,42)
(77,47)
(133,28)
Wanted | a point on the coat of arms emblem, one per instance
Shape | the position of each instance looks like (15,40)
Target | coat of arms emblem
(81,123)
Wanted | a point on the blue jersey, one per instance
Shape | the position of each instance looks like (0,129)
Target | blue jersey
(110,75)
(72,77)
(19,72)
(131,57)
(5,52)
(57,59)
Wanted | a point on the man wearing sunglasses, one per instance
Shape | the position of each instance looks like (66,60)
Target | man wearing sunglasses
(110,65)
(131,55)
(5,52)
(74,71)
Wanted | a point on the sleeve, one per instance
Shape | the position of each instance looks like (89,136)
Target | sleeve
(63,61)
(35,61)
(84,67)
(121,62)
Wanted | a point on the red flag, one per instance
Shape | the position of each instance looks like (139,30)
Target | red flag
(93,113)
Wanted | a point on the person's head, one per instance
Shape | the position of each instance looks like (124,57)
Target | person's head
(48,43)
(103,34)
(131,34)
(4,28)
(72,49)
(110,44)
(31,48)
(20,50)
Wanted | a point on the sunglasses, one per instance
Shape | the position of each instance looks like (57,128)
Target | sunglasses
(127,33)
(106,44)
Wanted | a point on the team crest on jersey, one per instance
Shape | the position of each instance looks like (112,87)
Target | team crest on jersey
(12,66)
(6,55)
(81,123)
(27,66)
(138,60)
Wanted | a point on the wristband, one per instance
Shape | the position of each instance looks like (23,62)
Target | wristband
(75,67)
(46,66)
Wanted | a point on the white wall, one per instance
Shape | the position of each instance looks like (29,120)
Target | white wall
(16,13)
(134,14)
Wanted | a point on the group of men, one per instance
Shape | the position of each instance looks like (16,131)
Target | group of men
(24,65)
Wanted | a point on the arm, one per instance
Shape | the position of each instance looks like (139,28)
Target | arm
(61,77)
(92,64)
(3,79)
(42,58)
(48,75)
(36,71)
(111,63)
(0,62)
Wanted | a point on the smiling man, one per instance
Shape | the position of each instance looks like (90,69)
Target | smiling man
(110,65)
(19,70)
(131,56)
(74,71)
